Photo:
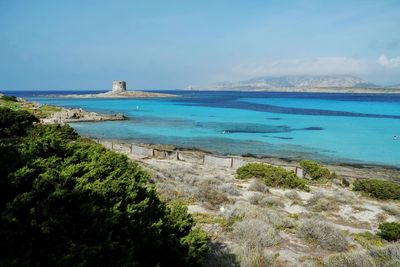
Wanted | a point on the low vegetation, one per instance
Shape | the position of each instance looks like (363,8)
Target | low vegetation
(390,231)
(353,259)
(15,123)
(321,202)
(380,189)
(387,256)
(369,240)
(324,235)
(272,176)
(40,111)
(9,98)
(68,202)
(315,171)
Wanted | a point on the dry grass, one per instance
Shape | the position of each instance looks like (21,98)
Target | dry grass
(253,257)
(255,233)
(321,202)
(368,240)
(387,256)
(392,210)
(256,198)
(351,259)
(258,186)
(324,234)
(381,217)
(229,189)
(272,202)
(209,195)
(219,256)
(295,197)
(278,219)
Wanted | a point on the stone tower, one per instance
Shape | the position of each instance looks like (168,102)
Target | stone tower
(118,86)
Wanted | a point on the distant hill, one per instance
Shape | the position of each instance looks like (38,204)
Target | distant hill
(298,81)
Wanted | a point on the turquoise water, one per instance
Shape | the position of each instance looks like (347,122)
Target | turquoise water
(327,127)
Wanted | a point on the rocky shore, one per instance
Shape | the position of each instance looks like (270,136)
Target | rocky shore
(80,115)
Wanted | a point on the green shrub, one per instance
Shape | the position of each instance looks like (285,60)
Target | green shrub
(70,203)
(390,231)
(271,176)
(15,123)
(379,189)
(9,98)
(315,171)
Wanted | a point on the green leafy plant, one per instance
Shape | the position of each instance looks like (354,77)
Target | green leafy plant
(271,176)
(65,202)
(315,171)
(379,189)
(15,123)
(9,98)
(390,231)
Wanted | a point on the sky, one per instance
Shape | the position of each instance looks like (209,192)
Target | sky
(85,44)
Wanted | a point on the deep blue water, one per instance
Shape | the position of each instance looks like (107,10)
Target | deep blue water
(352,128)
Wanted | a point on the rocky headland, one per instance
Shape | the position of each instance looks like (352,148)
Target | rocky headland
(80,115)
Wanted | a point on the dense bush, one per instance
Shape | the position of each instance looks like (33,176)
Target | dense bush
(271,176)
(15,123)
(390,231)
(378,188)
(64,202)
(9,98)
(315,171)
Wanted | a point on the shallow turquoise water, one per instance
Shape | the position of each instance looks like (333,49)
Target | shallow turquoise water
(327,127)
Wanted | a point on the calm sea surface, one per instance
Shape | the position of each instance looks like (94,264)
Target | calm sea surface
(351,128)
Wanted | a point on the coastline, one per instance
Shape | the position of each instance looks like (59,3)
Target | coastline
(54,114)
(196,156)
(346,169)
(79,115)
(218,200)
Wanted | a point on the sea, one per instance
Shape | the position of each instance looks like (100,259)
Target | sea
(328,127)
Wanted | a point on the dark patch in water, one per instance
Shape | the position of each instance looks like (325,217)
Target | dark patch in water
(232,100)
(274,119)
(279,137)
(313,128)
(256,128)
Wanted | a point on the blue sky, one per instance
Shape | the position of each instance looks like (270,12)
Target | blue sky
(172,44)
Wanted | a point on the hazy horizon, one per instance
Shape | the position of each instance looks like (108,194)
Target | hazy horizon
(156,45)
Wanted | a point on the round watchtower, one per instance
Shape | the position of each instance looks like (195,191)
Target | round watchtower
(118,86)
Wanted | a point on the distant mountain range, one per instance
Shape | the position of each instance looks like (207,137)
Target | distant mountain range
(298,81)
